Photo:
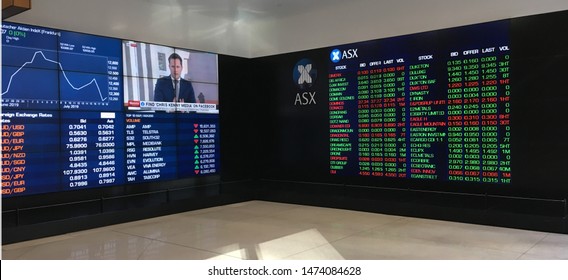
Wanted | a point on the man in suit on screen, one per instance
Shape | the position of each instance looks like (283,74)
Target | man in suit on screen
(173,88)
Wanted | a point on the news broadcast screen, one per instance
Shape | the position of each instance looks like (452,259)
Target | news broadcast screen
(148,83)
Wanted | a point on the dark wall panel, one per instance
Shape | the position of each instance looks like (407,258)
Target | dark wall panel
(294,147)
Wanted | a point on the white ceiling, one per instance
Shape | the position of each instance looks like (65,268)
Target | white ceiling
(252,28)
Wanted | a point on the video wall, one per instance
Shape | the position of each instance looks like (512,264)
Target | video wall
(472,109)
(80,111)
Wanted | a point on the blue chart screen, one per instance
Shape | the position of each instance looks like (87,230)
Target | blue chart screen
(63,125)
(29,67)
(198,145)
(91,70)
(49,69)
(26,166)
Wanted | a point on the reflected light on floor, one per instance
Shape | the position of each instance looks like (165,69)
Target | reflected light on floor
(281,247)
(274,249)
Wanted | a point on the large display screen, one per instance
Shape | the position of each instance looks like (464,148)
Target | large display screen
(148,79)
(433,106)
(72,120)
(51,69)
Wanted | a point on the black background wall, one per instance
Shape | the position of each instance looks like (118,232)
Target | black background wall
(295,143)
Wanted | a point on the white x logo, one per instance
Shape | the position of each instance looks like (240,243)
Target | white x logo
(304,74)
(335,55)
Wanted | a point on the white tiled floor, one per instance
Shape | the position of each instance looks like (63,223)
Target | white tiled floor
(266,230)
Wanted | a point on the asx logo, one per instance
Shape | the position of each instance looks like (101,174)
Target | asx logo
(337,55)
(305,75)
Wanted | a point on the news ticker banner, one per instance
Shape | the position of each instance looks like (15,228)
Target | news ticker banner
(173,106)
(49,151)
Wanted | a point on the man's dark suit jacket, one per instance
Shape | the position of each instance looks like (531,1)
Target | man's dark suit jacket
(164,91)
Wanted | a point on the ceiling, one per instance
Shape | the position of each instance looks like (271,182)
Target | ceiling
(252,28)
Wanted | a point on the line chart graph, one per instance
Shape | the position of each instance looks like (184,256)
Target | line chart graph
(77,88)
(60,70)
